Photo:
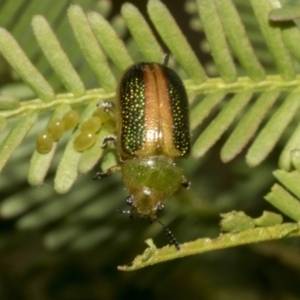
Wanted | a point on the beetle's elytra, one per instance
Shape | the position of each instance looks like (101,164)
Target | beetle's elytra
(152,119)
(152,113)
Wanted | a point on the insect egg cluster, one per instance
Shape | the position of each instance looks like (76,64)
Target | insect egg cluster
(90,127)
(87,136)
(55,130)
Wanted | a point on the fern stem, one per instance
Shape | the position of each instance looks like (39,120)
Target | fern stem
(243,84)
(69,99)
(152,255)
(210,86)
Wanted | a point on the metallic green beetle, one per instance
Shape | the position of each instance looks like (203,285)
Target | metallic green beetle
(152,118)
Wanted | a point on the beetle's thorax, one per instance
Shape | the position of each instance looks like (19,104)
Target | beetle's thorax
(148,180)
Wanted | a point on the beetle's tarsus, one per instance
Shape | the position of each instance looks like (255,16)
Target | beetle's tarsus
(108,139)
(105,104)
(186,184)
(100,175)
(166,59)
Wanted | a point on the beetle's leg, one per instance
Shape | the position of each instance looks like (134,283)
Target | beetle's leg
(185,183)
(106,104)
(108,172)
(106,140)
(129,200)
(113,169)
(108,108)
(166,59)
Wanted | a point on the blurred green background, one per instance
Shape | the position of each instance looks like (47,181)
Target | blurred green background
(69,246)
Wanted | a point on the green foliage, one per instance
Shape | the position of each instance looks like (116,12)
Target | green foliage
(258,104)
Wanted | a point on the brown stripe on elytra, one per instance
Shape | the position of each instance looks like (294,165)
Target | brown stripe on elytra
(158,119)
(151,116)
(166,120)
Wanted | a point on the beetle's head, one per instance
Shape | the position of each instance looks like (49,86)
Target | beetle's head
(145,203)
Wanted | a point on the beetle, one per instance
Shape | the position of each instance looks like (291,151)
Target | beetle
(152,130)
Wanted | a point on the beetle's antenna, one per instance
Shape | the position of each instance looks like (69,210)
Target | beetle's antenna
(127,212)
(170,236)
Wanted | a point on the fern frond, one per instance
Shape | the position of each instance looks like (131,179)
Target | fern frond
(226,27)
(257,106)
(152,255)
